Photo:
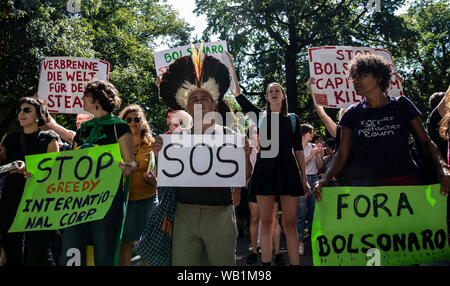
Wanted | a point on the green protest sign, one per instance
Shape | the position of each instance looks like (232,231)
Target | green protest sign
(68,188)
(401,225)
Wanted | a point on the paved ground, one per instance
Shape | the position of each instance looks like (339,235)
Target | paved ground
(244,246)
(243,250)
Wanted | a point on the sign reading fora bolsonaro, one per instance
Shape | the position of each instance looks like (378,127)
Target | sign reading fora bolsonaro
(404,225)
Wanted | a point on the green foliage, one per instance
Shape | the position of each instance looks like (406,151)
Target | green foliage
(270,39)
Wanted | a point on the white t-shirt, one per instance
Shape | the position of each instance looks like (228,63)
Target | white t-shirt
(311,167)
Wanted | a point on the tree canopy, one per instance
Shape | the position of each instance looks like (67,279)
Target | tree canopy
(269,40)
(123,33)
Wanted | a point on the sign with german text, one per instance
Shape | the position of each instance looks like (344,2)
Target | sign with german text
(328,65)
(216,49)
(61,81)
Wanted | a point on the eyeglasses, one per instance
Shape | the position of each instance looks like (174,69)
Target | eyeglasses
(25,109)
(136,119)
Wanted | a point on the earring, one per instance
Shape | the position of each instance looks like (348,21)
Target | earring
(37,120)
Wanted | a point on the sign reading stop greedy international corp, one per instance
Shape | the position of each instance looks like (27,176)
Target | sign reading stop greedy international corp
(68,188)
(403,225)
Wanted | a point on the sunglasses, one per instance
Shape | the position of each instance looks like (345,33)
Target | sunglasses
(25,109)
(136,119)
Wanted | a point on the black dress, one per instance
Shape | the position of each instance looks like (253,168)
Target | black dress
(279,175)
(37,249)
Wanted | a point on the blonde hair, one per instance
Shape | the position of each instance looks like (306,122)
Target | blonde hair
(284,104)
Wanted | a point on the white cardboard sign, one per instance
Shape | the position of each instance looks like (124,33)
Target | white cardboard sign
(216,49)
(328,65)
(201,161)
(61,81)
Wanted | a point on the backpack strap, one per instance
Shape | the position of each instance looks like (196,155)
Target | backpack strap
(293,122)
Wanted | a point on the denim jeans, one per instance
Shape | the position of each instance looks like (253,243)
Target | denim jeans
(103,234)
(305,210)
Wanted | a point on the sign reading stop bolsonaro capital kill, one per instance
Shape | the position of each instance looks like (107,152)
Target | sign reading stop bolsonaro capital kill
(328,65)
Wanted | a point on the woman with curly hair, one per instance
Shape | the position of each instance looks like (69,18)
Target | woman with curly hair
(142,197)
(33,247)
(100,99)
(376,132)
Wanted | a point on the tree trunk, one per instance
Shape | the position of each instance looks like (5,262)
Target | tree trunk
(291,80)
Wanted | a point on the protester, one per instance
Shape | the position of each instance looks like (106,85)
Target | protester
(101,98)
(316,140)
(33,247)
(255,217)
(204,216)
(278,176)
(314,163)
(142,192)
(330,148)
(377,131)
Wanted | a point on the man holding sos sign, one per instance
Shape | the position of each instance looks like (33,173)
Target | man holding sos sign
(204,217)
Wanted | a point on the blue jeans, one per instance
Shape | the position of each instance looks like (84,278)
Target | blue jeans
(305,209)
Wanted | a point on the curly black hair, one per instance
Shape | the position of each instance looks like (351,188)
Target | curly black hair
(374,64)
(104,93)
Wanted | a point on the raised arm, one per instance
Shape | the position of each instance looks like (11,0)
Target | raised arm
(245,104)
(329,123)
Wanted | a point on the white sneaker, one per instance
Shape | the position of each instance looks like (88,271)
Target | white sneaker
(301,249)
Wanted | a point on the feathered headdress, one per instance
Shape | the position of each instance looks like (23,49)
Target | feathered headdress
(188,74)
